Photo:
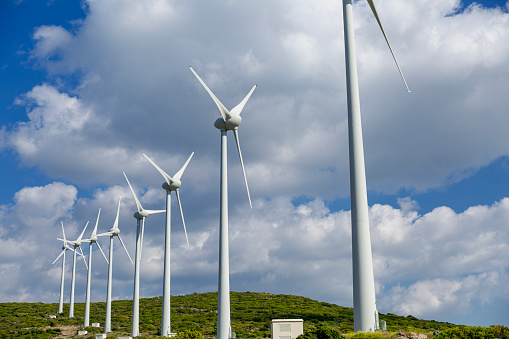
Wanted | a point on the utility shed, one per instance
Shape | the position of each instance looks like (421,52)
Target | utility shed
(286,328)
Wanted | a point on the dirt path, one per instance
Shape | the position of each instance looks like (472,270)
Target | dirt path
(68,331)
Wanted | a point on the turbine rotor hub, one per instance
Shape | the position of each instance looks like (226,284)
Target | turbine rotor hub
(230,124)
(175,185)
(141,215)
(114,231)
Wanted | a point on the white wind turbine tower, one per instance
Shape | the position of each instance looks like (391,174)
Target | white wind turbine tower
(229,120)
(113,232)
(140,215)
(364,302)
(91,241)
(170,184)
(76,244)
(65,248)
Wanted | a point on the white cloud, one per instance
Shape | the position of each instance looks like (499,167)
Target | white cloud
(49,40)
(55,120)
(442,297)
(46,204)
(134,62)
(27,228)
(434,265)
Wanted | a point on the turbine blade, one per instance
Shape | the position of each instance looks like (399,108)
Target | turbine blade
(94,232)
(149,212)
(61,253)
(373,9)
(238,109)
(63,229)
(182,214)
(100,249)
(103,234)
(165,175)
(138,205)
(224,112)
(236,134)
(178,175)
(125,248)
(81,235)
(115,224)
(83,256)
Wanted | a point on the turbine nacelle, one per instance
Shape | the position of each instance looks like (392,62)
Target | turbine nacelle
(175,185)
(114,231)
(141,215)
(230,121)
(229,124)
(93,237)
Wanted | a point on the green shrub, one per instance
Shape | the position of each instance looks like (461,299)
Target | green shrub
(475,332)
(321,331)
(189,334)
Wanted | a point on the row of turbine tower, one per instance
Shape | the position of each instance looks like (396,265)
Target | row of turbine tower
(364,301)
(228,121)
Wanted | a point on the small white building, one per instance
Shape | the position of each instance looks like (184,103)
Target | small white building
(286,328)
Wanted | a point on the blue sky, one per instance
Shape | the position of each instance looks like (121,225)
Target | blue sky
(87,87)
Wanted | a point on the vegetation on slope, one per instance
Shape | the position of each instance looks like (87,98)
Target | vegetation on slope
(193,314)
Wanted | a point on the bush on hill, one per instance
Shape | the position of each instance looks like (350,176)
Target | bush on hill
(475,332)
(321,331)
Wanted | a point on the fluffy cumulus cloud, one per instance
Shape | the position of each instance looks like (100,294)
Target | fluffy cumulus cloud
(26,228)
(434,265)
(442,297)
(446,260)
(119,85)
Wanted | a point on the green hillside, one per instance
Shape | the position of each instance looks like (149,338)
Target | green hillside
(251,314)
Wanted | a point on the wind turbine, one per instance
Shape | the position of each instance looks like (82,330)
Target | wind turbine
(76,244)
(229,121)
(65,248)
(113,232)
(140,215)
(91,241)
(364,301)
(170,184)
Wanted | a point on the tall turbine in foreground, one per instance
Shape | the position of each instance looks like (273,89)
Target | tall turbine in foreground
(229,121)
(65,248)
(76,244)
(113,232)
(364,302)
(91,241)
(140,215)
(170,184)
